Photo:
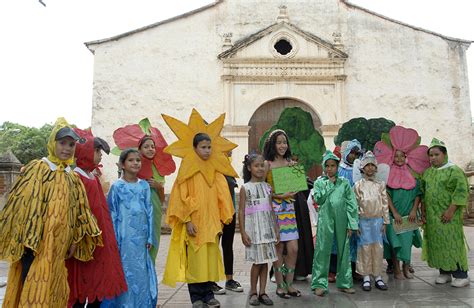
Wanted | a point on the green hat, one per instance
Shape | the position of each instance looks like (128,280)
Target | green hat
(436,143)
(329,155)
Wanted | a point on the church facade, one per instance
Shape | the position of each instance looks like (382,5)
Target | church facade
(331,58)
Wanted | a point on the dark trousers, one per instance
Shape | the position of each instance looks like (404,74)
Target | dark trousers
(333,265)
(95,304)
(26,261)
(200,291)
(227,242)
(456,274)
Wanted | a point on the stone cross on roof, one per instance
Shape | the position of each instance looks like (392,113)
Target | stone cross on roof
(283,16)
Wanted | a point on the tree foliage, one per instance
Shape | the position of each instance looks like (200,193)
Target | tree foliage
(26,143)
(367,131)
(305,141)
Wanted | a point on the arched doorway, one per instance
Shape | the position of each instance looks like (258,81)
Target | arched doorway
(267,115)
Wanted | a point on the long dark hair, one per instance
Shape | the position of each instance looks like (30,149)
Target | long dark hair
(248,160)
(125,153)
(269,151)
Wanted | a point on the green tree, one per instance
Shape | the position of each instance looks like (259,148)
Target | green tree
(367,131)
(305,141)
(26,143)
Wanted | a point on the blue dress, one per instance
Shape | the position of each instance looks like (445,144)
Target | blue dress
(132,215)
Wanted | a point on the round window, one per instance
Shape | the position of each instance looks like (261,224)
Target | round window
(283,47)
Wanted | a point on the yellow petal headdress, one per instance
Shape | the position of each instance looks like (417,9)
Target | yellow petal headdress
(191,163)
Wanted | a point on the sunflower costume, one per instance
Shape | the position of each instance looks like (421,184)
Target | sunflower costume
(46,212)
(200,194)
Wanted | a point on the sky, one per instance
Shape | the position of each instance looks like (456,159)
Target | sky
(46,71)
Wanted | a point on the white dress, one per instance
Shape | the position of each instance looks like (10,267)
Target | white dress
(259,223)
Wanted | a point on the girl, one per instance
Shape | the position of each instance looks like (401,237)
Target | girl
(406,158)
(147,150)
(132,215)
(155,165)
(277,153)
(373,218)
(46,220)
(446,192)
(103,276)
(337,218)
(258,225)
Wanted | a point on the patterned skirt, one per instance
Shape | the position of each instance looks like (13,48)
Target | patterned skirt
(286,219)
(261,253)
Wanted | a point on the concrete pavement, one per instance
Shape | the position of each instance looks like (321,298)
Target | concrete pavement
(418,292)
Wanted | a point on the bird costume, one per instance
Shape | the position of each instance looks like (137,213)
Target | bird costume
(103,276)
(200,194)
(444,244)
(161,165)
(47,211)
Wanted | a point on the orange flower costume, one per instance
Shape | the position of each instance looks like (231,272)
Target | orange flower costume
(200,194)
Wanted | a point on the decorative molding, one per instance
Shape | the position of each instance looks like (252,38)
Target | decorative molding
(284,35)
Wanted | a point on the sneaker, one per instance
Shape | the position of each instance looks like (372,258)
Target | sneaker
(233,285)
(460,282)
(199,304)
(443,278)
(216,289)
(300,278)
(213,303)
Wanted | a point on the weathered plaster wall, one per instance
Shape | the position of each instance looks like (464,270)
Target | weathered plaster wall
(412,77)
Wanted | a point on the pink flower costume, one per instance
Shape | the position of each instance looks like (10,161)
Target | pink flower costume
(406,140)
(403,188)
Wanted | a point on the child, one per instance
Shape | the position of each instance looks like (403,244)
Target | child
(103,276)
(227,242)
(277,153)
(132,214)
(199,204)
(258,226)
(351,150)
(373,218)
(46,220)
(446,193)
(405,157)
(337,218)
(155,165)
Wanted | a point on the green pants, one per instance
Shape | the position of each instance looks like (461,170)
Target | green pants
(328,229)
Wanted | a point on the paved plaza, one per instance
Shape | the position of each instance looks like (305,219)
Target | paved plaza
(418,292)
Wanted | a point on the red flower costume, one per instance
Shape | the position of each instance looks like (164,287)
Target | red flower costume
(102,277)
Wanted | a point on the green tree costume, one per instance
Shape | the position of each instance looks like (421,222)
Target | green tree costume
(403,200)
(157,213)
(444,245)
(337,213)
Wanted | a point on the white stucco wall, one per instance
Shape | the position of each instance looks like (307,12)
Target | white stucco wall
(414,78)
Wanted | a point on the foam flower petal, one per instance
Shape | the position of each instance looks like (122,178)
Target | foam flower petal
(401,177)
(128,136)
(418,159)
(383,153)
(402,138)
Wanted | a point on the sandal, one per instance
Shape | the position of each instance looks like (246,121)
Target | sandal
(282,294)
(264,299)
(296,293)
(366,286)
(379,284)
(254,299)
